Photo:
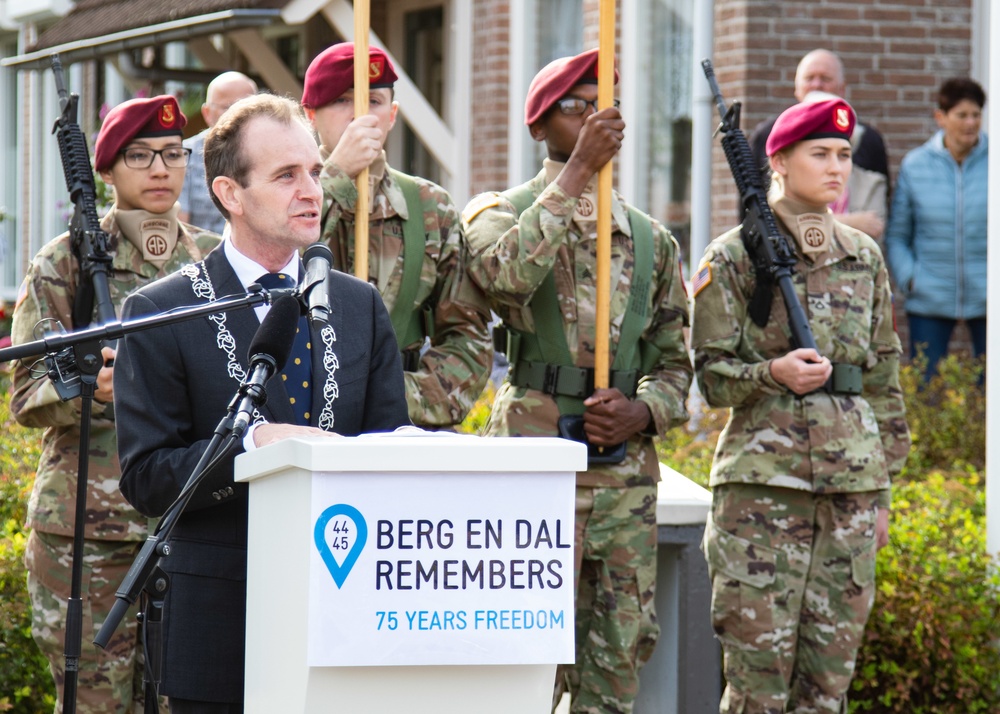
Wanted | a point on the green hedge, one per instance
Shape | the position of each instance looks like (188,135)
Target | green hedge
(25,683)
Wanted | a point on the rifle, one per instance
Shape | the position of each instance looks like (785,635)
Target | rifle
(89,242)
(773,259)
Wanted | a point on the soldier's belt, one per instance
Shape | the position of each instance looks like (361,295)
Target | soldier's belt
(568,381)
(846,379)
(410,359)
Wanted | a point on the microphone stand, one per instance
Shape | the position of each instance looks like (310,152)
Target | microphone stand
(86,348)
(145,577)
(89,363)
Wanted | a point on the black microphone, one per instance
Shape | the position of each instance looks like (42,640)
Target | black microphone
(316,286)
(269,350)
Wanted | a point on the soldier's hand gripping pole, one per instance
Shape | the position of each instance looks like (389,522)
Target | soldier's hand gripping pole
(772,257)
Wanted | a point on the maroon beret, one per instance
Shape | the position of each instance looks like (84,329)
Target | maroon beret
(136,118)
(826,119)
(555,79)
(331,73)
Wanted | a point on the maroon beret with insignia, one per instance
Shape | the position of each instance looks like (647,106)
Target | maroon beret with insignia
(827,119)
(555,79)
(134,119)
(331,74)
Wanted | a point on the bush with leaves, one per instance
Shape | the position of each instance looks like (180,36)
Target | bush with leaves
(931,641)
(25,683)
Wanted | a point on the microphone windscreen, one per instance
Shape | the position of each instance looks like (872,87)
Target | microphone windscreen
(318,250)
(276,333)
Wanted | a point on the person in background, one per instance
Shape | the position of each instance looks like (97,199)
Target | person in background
(416,250)
(936,242)
(196,202)
(138,154)
(534,254)
(802,472)
(822,70)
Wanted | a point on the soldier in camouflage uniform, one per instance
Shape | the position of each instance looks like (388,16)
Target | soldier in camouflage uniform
(534,253)
(431,298)
(801,478)
(147,242)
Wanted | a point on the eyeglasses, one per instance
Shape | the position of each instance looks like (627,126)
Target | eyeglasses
(174,157)
(576,105)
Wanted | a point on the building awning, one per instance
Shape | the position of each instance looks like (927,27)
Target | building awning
(137,37)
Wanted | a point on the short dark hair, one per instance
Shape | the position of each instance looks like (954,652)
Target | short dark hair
(224,154)
(956,89)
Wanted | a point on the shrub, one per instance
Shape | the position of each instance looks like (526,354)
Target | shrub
(930,646)
(690,448)
(947,416)
(25,683)
(475,420)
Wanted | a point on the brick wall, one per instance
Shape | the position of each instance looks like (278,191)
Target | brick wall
(491,42)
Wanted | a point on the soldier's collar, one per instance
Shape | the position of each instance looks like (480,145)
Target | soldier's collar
(154,235)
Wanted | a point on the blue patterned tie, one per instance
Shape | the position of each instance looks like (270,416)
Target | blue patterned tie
(297,374)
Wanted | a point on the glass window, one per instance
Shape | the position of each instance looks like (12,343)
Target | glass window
(666,162)
(10,258)
(560,30)
(425,65)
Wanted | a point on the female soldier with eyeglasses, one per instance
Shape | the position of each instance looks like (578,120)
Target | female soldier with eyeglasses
(139,154)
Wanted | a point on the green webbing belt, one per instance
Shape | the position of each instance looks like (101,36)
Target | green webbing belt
(547,344)
(408,321)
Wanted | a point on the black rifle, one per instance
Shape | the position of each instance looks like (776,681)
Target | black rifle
(90,243)
(773,259)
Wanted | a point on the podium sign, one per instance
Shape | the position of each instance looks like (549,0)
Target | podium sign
(441,568)
(426,573)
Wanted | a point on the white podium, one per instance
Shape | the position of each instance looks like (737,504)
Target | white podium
(417,573)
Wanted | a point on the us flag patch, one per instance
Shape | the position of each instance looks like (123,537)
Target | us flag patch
(701,279)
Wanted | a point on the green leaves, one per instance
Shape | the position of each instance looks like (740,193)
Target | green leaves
(25,683)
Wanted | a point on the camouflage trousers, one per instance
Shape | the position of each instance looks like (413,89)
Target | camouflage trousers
(793,583)
(615,574)
(109,681)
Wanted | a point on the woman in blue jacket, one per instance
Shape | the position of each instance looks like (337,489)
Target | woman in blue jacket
(936,239)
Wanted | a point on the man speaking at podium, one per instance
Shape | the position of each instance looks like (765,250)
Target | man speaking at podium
(173,385)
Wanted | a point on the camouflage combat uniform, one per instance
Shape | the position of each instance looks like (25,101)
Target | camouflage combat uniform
(108,681)
(615,504)
(796,480)
(452,371)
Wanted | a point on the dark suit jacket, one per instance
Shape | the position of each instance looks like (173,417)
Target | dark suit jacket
(172,388)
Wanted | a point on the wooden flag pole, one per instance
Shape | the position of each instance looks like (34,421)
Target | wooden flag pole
(361,61)
(605,98)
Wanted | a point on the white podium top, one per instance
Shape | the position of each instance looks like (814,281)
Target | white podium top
(680,501)
(414,451)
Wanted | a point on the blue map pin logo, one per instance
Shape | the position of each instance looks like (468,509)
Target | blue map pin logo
(326,547)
